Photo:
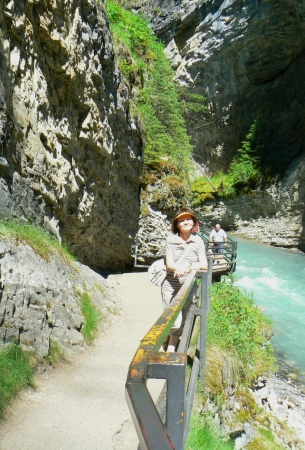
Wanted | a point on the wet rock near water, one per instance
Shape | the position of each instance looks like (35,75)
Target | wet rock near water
(40,299)
(290,372)
(286,402)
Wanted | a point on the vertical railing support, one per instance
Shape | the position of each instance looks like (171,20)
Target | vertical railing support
(203,322)
(151,432)
(172,367)
(206,278)
(210,276)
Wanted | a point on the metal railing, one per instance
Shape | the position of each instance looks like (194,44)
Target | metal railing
(165,425)
(224,263)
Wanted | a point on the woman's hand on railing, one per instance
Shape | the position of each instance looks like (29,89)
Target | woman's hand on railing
(181,269)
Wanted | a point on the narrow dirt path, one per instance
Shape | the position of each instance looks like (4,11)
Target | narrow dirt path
(81,406)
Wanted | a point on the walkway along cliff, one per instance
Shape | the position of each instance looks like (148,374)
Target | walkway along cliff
(242,411)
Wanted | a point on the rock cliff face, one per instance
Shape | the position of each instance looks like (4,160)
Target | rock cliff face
(247,58)
(40,299)
(275,216)
(70,155)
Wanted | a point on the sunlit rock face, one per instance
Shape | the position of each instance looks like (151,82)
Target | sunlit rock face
(70,156)
(40,299)
(247,58)
(274,216)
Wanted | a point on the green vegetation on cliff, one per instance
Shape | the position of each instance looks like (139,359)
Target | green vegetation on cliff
(42,242)
(247,172)
(142,60)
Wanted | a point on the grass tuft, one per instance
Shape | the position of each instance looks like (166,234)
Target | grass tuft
(36,237)
(92,318)
(56,355)
(202,437)
(16,373)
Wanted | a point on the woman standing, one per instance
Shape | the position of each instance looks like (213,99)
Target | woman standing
(185,251)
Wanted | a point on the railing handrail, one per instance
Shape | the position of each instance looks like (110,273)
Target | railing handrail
(147,363)
(153,340)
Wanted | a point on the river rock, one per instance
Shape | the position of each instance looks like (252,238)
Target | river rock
(286,402)
(40,298)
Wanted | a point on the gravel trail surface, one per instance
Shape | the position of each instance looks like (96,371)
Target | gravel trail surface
(81,405)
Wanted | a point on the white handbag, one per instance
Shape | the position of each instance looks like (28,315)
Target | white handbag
(157,272)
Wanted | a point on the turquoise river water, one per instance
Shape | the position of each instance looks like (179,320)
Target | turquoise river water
(276,277)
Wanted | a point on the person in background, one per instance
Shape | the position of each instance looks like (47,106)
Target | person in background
(218,239)
(185,251)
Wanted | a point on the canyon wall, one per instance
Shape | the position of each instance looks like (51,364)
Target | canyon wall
(247,58)
(70,155)
(274,216)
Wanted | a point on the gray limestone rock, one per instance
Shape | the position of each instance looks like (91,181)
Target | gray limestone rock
(154,228)
(40,299)
(70,156)
(284,401)
(274,216)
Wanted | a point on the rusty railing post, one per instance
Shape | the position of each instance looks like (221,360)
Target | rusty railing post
(172,367)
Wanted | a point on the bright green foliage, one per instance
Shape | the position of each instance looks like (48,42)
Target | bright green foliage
(193,107)
(245,165)
(132,29)
(264,440)
(39,239)
(16,373)
(202,437)
(202,190)
(245,172)
(236,325)
(92,318)
(157,101)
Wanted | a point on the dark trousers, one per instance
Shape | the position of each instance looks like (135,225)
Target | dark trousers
(218,247)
